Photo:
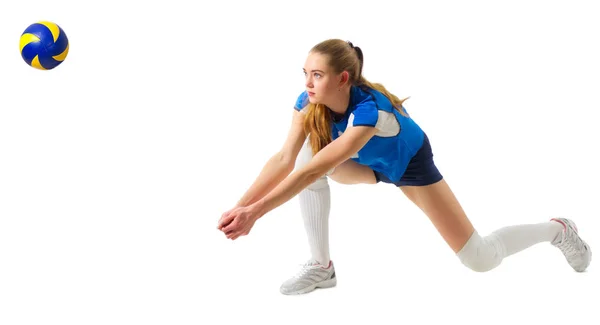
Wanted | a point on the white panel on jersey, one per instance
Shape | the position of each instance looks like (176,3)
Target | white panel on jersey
(387,124)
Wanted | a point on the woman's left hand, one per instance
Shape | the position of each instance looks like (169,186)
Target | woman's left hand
(239,222)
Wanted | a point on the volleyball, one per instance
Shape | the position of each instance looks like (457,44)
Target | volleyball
(44,45)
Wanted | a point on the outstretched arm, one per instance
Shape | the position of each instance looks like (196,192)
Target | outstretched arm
(241,220)
(279,166)
(329,157)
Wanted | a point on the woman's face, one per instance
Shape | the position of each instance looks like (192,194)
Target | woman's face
(320,81)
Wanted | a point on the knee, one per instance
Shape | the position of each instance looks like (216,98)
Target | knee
(481,254)
(304,157)
(480,264)
(320,184)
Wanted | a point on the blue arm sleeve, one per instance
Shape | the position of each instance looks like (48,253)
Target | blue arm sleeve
(366,113)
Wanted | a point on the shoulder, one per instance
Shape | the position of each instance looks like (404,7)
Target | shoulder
(302,101)
(368,107)
(372,108)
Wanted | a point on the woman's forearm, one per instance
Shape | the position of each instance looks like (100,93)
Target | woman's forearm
(274,171)
(288,188)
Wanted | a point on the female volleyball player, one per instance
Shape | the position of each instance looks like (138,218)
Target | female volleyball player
(353,131)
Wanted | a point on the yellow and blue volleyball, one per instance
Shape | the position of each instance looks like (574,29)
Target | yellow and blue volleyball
(44,45)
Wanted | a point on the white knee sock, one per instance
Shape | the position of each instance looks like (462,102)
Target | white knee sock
(485,253)
(315,203)
(519,237)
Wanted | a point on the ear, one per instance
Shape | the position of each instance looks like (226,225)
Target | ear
(344,78)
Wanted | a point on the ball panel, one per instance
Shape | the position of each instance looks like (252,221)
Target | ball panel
(42,32)
(26,39)
(36,64)
(61,57)
(53,28)
(47,61)
(31,50)
(59,46)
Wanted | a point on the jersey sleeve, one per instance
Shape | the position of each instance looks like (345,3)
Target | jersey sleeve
(366,113)
(301,101)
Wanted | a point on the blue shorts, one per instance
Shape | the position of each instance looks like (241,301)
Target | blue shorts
(421,169)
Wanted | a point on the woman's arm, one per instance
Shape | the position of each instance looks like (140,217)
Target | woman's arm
(279,166)
(329,157)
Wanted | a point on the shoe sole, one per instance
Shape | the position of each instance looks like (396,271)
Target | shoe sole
(323,284)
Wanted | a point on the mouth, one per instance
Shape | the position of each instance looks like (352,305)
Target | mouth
(310,93)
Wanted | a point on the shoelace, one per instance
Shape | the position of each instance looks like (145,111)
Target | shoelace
(306,267)
(571,244)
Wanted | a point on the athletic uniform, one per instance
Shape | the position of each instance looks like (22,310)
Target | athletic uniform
(400,153)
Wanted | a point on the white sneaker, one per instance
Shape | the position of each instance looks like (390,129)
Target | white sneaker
(311,276)
(576,251)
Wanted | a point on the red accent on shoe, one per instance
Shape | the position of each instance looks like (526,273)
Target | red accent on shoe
(561,222)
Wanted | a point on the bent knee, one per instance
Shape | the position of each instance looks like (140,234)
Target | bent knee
(481,254)
(480,264)
(304,157)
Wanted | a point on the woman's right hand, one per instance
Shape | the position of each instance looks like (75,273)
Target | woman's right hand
(224,216)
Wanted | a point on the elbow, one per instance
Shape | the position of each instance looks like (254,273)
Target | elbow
(284,160)
(315,172)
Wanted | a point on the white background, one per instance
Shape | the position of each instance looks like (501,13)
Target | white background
(115,166)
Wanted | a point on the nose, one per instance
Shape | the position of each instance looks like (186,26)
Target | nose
(309,82)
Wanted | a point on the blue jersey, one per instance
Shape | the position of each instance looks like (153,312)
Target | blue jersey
(398,138)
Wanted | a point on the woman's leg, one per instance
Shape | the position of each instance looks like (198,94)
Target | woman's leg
(482,254)
(315,203)
(350,172)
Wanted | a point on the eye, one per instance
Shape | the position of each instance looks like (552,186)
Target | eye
(317,75)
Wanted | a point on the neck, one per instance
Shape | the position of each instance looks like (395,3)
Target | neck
(340,102)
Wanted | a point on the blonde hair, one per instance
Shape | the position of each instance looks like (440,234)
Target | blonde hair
(343,56)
